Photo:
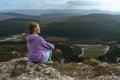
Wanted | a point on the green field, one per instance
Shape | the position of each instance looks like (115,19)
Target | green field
(93,51)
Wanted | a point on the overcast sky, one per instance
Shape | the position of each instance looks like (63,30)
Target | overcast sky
(113,5)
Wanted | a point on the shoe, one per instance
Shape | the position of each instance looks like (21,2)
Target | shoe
(50,62)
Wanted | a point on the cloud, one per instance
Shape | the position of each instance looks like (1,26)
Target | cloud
(45,4)
(73,4)
(22,4)
(60,4)
(81,2)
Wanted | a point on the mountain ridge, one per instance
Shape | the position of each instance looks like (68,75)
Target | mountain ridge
(83,26)
(52,11)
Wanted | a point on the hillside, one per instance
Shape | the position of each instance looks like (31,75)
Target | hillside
(5,16)
(90,26)
(113,55)
(63,11)
(14,26)
(21,69)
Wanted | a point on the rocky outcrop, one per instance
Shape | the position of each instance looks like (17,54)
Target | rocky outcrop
(21,69)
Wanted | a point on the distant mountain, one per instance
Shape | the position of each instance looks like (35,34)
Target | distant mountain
(54,11)
(102,26)
(33,12)
(87,26)
(4,16)
(14,26)
(52,16)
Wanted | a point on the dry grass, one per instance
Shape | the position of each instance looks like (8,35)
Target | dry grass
(91,61)
(81,70)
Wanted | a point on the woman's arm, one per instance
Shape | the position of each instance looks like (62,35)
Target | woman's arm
(44,43)
(49,44)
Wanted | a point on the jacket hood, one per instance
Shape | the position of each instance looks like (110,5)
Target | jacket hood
(31,37)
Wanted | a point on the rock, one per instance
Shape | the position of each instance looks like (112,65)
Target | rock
(108,77)
(103,64)
(21,69)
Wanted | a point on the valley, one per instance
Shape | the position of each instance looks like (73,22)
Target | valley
(94,31)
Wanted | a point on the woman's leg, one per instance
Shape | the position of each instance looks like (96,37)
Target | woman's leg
(48,56)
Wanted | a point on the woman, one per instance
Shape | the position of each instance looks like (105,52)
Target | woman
(38,49)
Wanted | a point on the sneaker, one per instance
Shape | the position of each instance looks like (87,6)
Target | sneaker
(50,62)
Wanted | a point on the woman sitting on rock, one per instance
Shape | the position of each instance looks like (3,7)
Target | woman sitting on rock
(39,50)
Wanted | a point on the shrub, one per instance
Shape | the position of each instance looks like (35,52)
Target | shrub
(91,61)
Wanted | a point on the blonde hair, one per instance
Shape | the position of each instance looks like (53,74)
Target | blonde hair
(32,26)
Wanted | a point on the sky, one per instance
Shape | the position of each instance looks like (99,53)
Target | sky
(112,5)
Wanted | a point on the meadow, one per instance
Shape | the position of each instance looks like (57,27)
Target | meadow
(93,51)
